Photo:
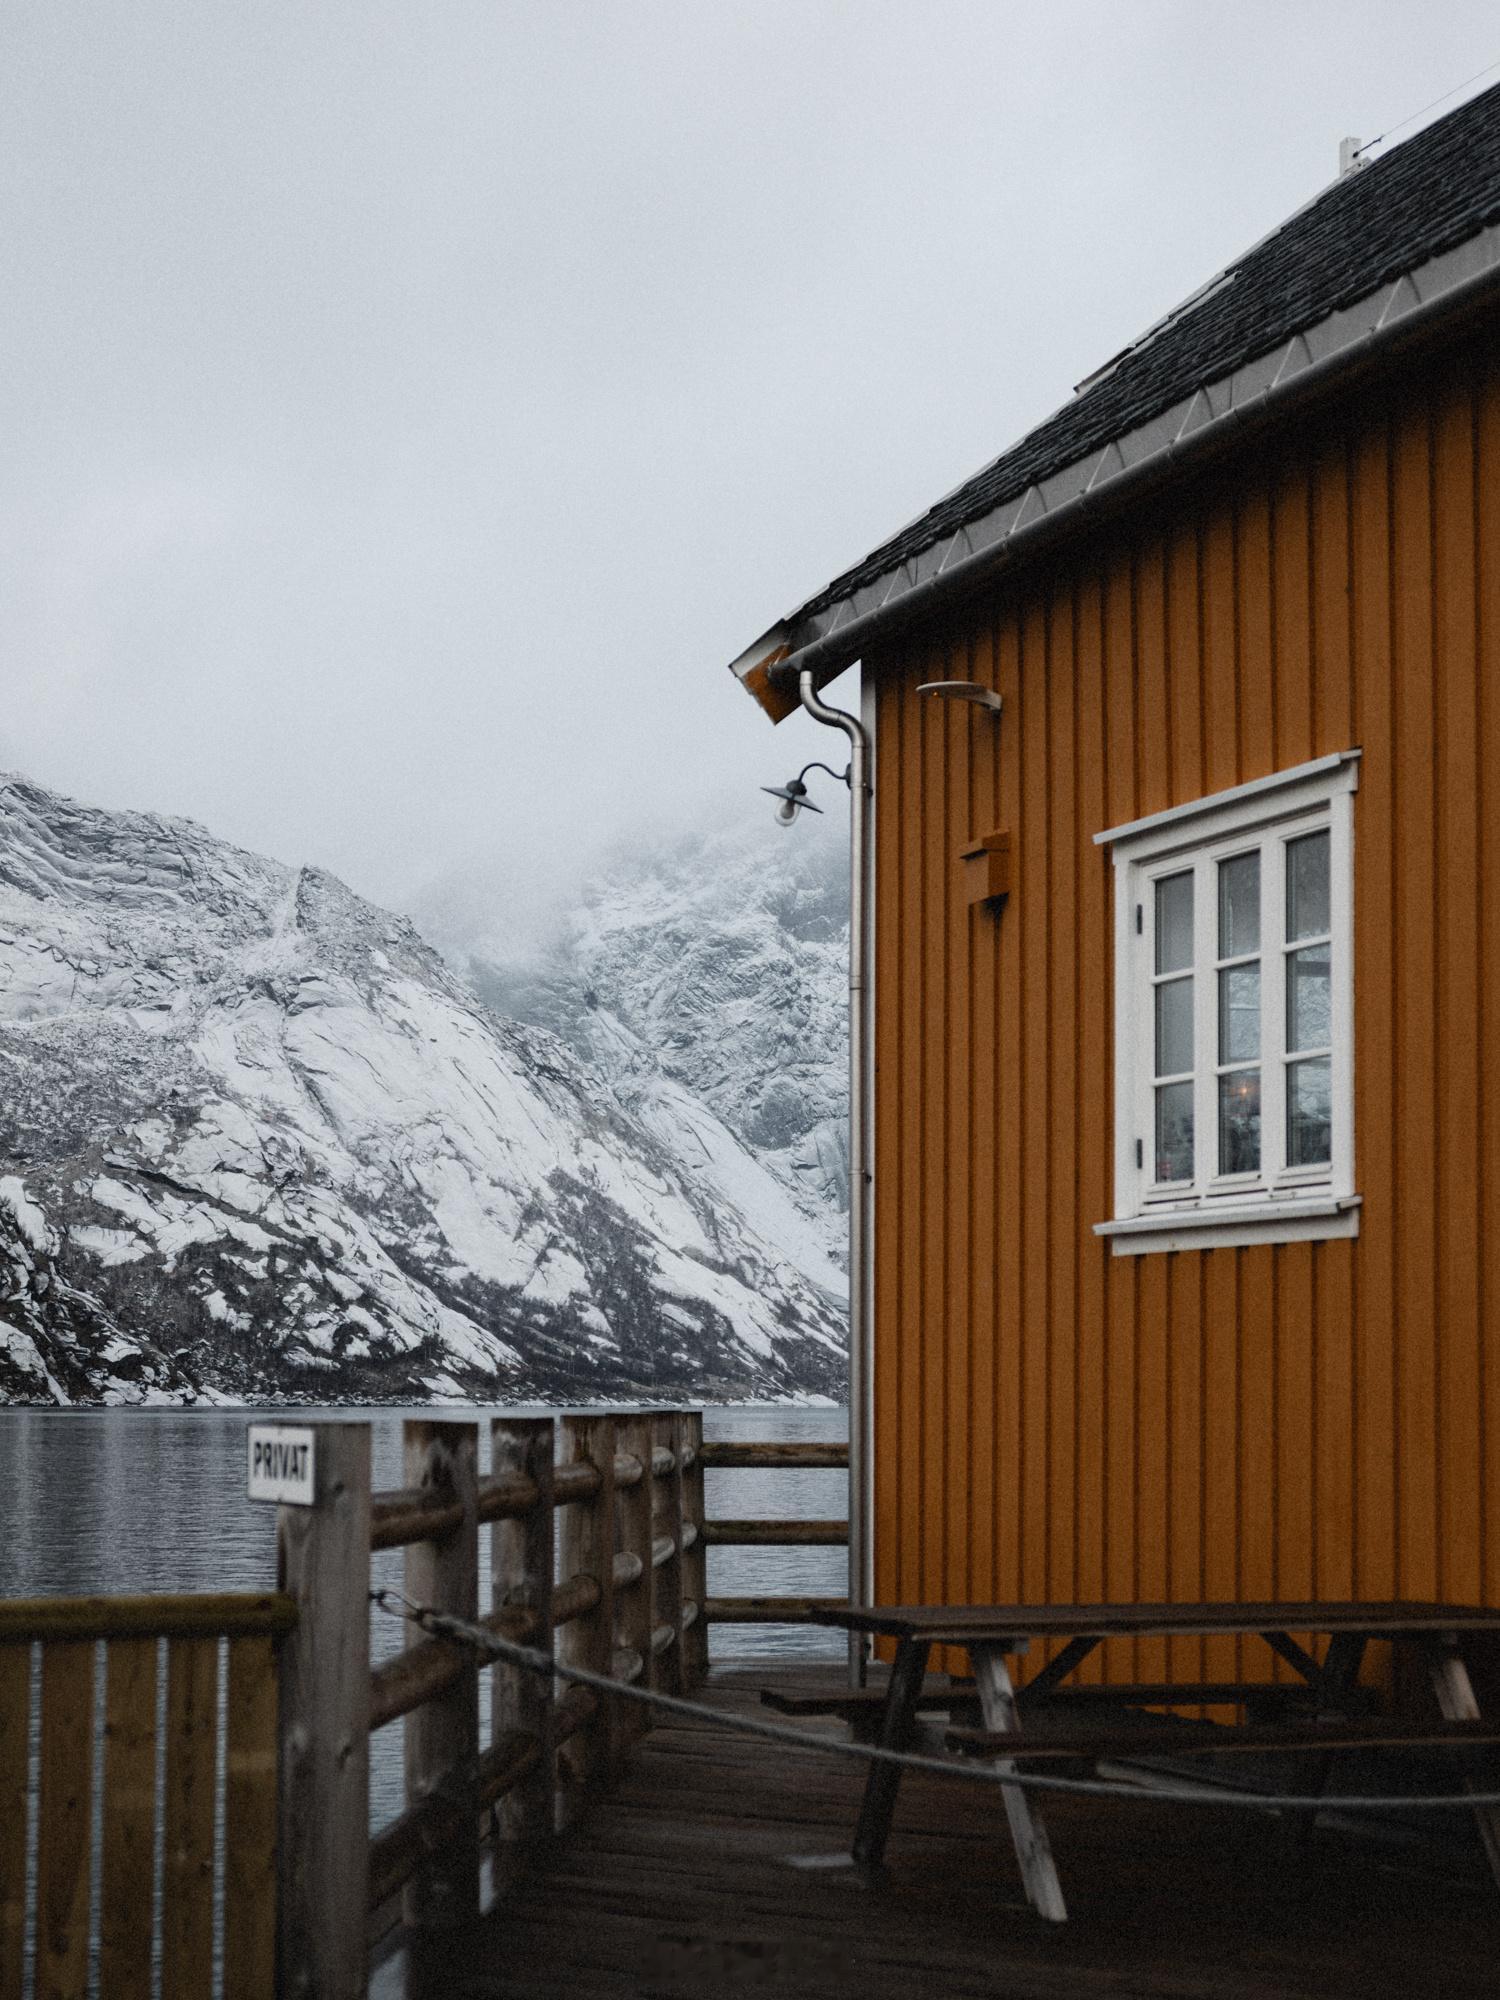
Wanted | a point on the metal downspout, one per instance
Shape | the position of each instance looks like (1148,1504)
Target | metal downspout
(861,1374)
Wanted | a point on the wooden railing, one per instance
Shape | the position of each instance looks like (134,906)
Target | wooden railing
(75,1653)
(755,1455)
(598,1550)
(597,1557)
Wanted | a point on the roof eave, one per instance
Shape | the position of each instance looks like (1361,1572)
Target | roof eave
(755,667)
(1402,310)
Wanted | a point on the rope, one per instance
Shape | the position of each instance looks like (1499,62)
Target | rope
(443,1625)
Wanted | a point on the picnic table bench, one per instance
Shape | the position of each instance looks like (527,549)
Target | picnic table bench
(1323,1713)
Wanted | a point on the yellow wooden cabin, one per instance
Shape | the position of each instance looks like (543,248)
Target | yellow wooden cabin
(1181,1267)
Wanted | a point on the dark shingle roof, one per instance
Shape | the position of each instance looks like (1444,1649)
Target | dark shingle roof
(1413,203)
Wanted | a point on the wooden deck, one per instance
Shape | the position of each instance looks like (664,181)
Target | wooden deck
(678,1885)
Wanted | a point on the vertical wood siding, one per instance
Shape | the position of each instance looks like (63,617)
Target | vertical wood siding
(1308,1419)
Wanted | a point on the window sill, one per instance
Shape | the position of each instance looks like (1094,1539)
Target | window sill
(1228,1225)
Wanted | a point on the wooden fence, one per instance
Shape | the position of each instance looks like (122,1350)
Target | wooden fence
(598,1554)
(153,1901)
(598,1550)
(593,1554)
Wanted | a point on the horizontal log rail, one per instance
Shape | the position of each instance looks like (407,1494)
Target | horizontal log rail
(507,1496)
(418,1514)
(776,1534)
(180,1615)
(571,1483)
(416,1676)
(399,1850)
(744,1454)
(415,1836)
(415,1514)
(574,1711)
(767,1610)
(575,1599)
(502,1767)
(424,1671)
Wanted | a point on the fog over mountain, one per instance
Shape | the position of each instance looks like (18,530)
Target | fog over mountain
(409,411)
(258,1138)
(701,974)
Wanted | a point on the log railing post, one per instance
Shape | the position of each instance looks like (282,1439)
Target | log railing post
(587,1641)
(521,1568)
(694,1555)
(323,1561)
(664,1668)
(442,1736)
(633,1600)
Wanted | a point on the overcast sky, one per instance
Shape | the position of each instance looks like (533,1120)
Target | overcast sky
(409,410)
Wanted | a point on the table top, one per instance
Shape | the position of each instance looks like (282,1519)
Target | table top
(958,1624)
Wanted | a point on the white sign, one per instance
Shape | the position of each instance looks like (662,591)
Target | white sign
(280,1464)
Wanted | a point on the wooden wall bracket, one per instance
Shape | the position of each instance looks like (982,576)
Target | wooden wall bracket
(987,869)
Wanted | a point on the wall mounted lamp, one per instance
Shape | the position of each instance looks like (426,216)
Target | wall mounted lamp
(793,794)
(971,691)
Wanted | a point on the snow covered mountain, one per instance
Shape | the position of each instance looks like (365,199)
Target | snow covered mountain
(257,1138)
(706,979)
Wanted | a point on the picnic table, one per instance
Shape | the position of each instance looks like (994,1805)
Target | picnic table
(993,1633)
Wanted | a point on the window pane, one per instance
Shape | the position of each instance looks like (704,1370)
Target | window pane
(1239,906)
(1174,1132)
(1174,1027)
(1309,998)
(1239,1122)
(1309,1113)
(1239,1013)
(1307,886)
(1174,922)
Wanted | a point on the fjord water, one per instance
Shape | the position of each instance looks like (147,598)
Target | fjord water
(125,1501)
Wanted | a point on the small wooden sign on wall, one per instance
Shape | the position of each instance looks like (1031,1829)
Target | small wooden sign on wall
(987,869)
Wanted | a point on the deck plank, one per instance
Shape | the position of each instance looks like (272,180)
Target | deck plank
(677,1884)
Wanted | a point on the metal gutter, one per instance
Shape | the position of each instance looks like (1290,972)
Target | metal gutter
(1399,312)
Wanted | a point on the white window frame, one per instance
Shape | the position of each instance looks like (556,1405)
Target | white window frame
(1277,1203)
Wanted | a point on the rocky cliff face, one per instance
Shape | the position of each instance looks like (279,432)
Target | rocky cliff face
(707,981)
(57,1344)
(259,1139)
